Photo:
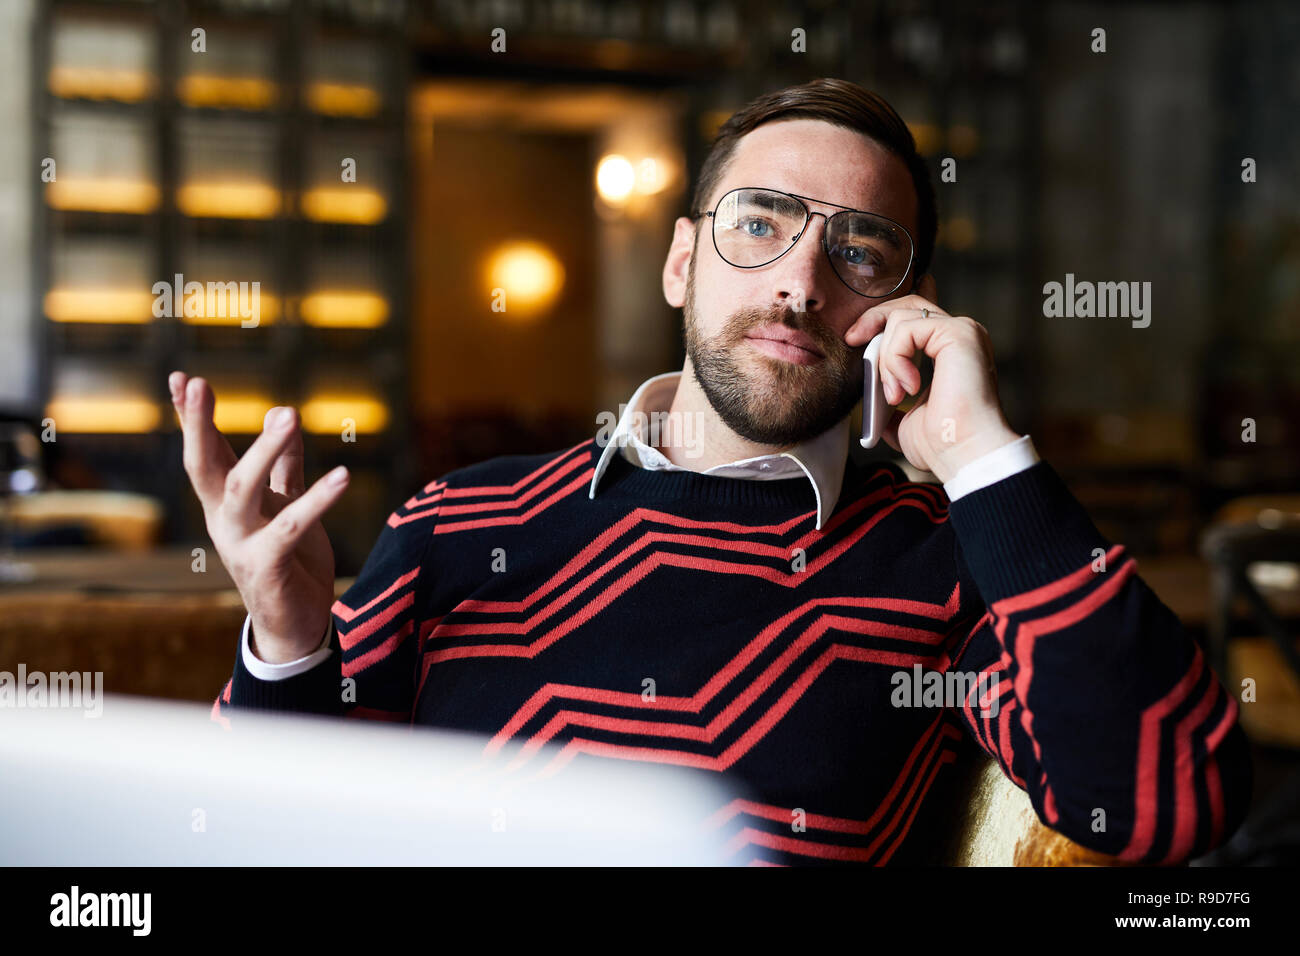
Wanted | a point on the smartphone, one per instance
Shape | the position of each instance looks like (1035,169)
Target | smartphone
(875,411)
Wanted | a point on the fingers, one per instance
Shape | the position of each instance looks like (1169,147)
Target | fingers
(295,518)
(910,331)
(286,473)
(207,455)
(898,375)
(242,501)
(873,321)
(903,338)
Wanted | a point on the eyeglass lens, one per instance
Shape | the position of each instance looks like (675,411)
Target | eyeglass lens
(752,227)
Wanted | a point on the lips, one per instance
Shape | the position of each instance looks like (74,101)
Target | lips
(785,342)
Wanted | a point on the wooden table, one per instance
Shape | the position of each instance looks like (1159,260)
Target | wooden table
(149,622)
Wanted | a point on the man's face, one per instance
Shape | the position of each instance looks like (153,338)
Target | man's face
(769,393)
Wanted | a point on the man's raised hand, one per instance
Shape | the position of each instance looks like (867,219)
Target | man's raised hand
(263,521)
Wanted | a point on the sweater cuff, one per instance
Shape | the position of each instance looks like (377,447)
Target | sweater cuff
(314,691)
(264,671)
(1023,532)
(998,464)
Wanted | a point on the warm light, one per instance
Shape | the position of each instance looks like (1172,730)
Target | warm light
(102,195)
(242,92)
(99,305)
(927,137)
(129,86)
(330,413)
(959,233)
(355,204)
(240,413)
(342,99)
(651,176)
(711,121)
(963,139)
(344,310)
(528,273)
(231,200)
(117,414)
(195,310)
(615,179)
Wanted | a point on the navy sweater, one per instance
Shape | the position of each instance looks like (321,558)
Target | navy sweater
(703,621)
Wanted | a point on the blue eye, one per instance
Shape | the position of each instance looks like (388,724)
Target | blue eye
(856,255)
(753,228)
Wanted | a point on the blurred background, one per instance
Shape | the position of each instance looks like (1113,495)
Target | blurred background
(379,167)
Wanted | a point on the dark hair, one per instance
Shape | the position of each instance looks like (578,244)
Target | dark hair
(843,104)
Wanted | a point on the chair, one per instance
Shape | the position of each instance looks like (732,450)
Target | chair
(1254,553)
(996,824)
(1250,532)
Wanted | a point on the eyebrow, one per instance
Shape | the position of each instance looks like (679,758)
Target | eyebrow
(782,203)
(878,230)
(883,229)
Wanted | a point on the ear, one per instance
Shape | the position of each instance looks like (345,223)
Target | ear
(927,289)
(677,265)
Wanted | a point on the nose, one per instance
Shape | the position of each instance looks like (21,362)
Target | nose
(802,272)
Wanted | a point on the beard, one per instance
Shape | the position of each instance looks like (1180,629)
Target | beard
(764,399)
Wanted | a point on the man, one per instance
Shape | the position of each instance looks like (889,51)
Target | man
(735,594)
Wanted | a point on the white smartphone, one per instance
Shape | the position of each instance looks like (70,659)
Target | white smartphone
(875,410)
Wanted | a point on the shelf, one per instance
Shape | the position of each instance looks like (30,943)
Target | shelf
(241,117)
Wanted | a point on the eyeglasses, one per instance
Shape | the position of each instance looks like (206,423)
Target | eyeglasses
(754,227)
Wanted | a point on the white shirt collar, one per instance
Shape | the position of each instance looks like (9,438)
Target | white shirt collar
(820,459)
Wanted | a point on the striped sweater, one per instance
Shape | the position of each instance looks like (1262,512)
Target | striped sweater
(702,621)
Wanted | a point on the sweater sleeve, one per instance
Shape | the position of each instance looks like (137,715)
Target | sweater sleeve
(1091,696)
(370,670)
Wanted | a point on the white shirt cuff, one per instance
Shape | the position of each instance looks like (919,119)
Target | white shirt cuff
(1012,458)
(264,671)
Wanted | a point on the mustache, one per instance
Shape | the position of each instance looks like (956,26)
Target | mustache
(743,320)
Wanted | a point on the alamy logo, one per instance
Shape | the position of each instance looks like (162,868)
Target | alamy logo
(214,300)
(1085,300)
(102,909)
(928,688)
(659,429)
(58,689)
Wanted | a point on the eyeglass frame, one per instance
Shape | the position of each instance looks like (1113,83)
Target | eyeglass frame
(808,214)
